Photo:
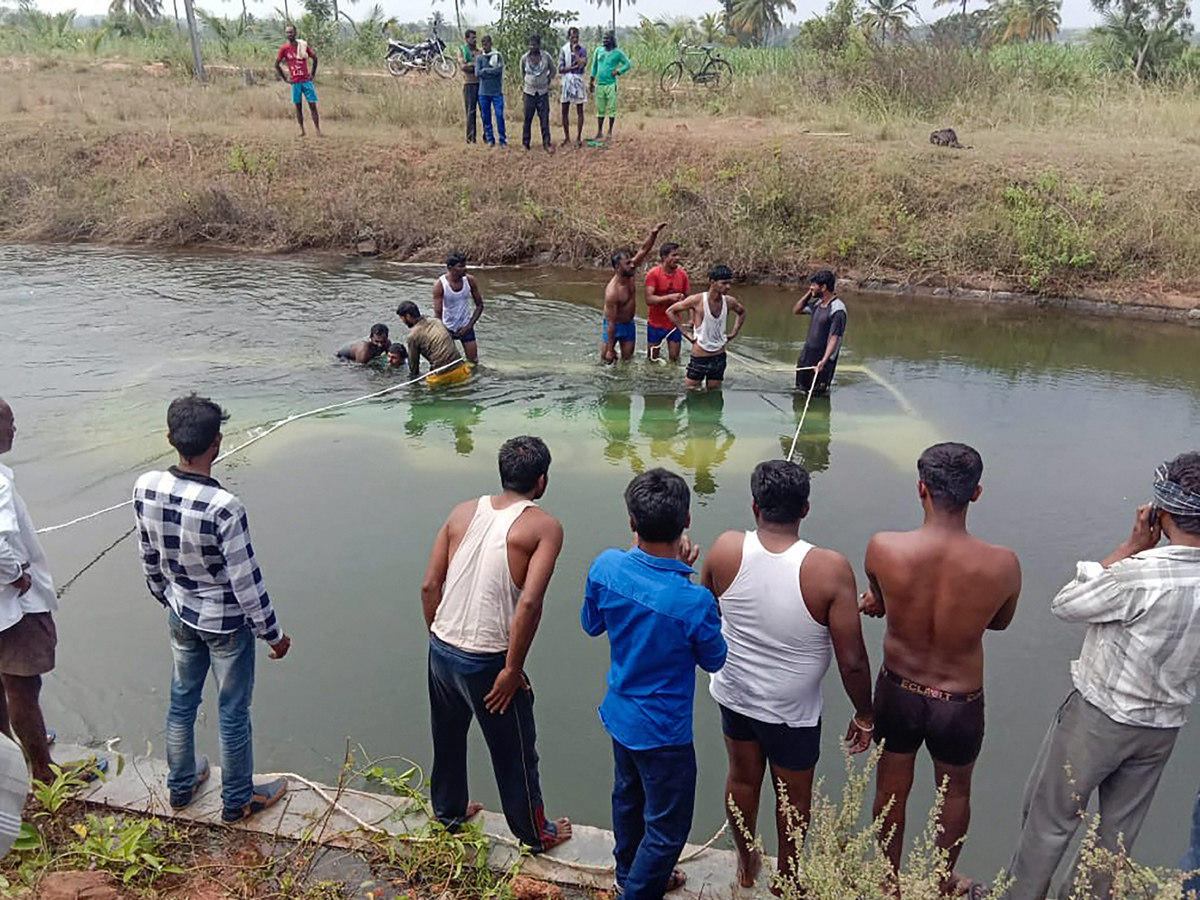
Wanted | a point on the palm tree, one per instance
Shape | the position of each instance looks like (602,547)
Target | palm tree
(616,8)
(882,16)
(711,28)
(758,18)
(1028,20)
(963,3)
(137,9)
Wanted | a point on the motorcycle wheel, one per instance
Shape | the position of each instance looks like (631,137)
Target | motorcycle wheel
(444,66)
(395,66)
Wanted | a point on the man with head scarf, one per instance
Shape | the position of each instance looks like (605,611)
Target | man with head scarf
(1134,679)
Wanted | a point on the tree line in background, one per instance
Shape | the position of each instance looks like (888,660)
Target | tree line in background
(1145,38)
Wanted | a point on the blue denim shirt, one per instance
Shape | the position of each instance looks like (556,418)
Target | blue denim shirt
(660,627)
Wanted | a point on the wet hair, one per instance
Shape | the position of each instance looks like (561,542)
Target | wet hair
(1184,470)
(720,273)
(469,33)
(780,490)
(193,423)
(379,329)
(408,308)
(523,460)
(950,472)
(658,502)
(398,349)
(666,250)
(824,278)
(456,259)
(619,257)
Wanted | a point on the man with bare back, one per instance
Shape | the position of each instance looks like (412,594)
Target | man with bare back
(620,300)
(941,589)
(705,327)
(482,596)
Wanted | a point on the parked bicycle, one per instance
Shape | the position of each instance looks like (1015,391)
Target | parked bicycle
(715,73)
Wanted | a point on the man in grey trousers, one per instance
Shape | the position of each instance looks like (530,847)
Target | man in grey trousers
(1134,679)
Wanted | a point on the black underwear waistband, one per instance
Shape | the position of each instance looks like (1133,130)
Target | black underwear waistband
(931,692)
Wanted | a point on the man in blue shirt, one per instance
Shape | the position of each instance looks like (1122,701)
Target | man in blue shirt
(660,627)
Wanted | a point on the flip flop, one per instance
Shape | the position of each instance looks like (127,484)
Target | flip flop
(203,770)
(87,770)
(51,737)
(264,797)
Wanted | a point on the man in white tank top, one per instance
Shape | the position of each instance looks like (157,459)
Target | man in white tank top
(787,609)
(453,296)
(482,596)
(708,313)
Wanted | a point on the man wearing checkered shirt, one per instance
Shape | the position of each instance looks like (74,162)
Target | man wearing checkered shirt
(1135,678)
(199,563)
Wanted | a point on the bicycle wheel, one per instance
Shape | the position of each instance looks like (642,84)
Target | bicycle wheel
(720,75)
(444,66)
(669,80)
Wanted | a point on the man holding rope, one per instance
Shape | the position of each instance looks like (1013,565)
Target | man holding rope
(826,329)
(708,314)
(431,339)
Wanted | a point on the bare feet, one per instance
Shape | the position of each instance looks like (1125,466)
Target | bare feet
(473,809)
(962,886)
(556,833)
(748,870)
(678,879)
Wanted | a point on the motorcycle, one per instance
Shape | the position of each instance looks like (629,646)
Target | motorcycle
(429,55)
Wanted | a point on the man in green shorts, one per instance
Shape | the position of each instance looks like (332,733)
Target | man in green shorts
(608,65)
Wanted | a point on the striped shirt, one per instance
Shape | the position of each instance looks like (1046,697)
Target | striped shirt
(197,555)
(1141,656)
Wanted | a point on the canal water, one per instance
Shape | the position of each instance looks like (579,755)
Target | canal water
(1071,415)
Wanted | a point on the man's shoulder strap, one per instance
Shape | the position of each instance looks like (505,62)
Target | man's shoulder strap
(837,305)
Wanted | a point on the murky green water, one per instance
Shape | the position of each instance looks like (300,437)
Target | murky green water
(1071,415)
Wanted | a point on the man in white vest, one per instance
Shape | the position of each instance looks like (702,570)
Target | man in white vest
(453,296)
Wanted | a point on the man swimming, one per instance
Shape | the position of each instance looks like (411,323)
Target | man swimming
(620,300)
(708,313)
(453,294)
(397,355)
(368,350)
(941,589)
(431,339)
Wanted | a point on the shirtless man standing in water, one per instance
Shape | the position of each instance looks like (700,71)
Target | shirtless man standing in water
(620,300)
(941,589)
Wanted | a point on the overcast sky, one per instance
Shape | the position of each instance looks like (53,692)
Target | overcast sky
(1076,13)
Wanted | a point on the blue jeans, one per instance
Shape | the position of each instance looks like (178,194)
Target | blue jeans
(654,793)
(1191,861)
(486,105)
(458,682)
(231,658)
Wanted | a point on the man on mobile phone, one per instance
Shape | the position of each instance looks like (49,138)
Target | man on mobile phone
(1134,679)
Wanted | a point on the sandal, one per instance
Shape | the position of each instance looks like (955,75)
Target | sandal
(51,737)
(87,770)
(265,796)
(182,801)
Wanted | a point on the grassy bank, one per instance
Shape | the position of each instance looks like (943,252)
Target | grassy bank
(1091,192)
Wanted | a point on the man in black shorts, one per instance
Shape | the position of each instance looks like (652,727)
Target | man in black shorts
(702,319)
(941,589)
(826,329)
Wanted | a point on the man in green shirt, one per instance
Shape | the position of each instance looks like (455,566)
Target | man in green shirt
(608,65)
(467,53)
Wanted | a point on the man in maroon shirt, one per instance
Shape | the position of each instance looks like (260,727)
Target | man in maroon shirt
(666,283)
(297,54)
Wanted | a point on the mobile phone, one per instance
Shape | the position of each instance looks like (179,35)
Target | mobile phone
(1153,516)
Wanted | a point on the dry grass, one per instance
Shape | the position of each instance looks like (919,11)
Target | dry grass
(1107,185)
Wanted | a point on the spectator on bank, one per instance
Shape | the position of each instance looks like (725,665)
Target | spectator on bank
(608,64)
(28,638)
(468,53)
(489,66)
(787,610)
(296,53)
(572,61)
(199,564)
(537,71)
(1133,682)
(660,627)
(482,596)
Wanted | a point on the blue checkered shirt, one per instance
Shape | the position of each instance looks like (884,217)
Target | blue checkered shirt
(197,556)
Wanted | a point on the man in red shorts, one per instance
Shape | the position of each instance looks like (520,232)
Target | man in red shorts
(296,54)
(666,283)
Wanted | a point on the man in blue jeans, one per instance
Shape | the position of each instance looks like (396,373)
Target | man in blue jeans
(199,563)
(660,627)
(489,66)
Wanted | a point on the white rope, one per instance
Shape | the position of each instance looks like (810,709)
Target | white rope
(807,400)
(375,829)
(263,434)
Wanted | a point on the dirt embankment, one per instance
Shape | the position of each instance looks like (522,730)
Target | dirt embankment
(162,162)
